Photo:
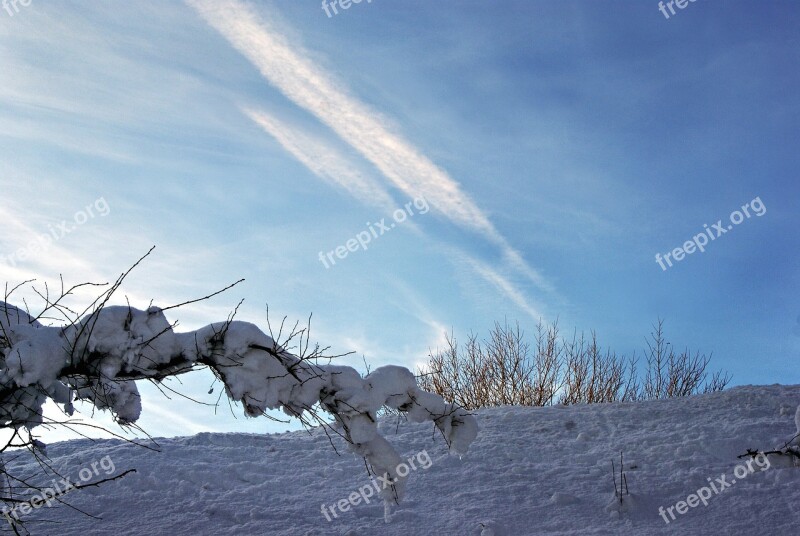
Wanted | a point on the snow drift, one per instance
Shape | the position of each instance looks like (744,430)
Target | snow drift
(532,471)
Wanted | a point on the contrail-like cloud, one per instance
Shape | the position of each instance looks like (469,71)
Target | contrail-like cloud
(502,284)
(288,68)
(285,66)
(323,160)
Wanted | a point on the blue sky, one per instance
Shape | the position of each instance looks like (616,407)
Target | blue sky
(557,147)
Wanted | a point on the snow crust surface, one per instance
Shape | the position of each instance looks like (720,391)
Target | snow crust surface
(530,471)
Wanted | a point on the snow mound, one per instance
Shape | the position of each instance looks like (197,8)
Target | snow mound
(527,474)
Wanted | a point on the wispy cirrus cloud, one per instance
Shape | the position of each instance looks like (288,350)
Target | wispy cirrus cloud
(288,68)
(504,285)
(330,165)
(323,160)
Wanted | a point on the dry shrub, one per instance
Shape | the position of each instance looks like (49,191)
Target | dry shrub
(504,370)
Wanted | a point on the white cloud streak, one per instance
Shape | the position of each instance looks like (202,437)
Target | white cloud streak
(323,160)
(503,284)
(288,68)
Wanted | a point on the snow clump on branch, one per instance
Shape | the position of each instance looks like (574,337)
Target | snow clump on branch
(100,357)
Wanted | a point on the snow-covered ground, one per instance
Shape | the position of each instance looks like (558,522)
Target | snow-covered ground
(530,471)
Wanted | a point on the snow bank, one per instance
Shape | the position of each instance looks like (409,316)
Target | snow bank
(527,475)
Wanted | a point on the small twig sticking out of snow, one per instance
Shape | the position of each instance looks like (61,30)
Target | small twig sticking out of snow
(614,478)
(622,490)
(790,448)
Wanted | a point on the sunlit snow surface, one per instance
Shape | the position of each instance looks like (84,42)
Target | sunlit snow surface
(530,471)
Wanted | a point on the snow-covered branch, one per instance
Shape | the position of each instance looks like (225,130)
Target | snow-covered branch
(100,356)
